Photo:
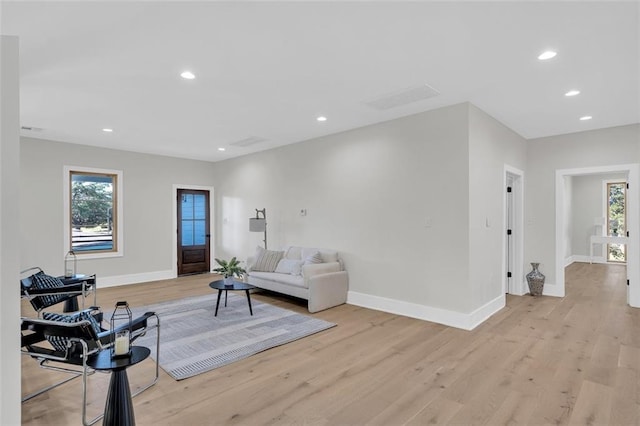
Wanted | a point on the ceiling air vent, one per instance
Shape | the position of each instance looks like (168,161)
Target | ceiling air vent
(31,128)
(251,140)
(403,97)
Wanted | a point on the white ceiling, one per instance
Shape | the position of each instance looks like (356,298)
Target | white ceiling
(267,69)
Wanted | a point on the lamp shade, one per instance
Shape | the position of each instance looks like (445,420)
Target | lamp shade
(257,225)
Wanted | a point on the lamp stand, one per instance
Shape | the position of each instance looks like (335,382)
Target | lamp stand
(264,216)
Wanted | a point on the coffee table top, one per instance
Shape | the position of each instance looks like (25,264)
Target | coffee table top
(237,285)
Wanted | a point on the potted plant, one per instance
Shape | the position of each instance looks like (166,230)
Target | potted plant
(229,269)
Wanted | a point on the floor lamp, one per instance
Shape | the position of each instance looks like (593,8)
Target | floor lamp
(259,224)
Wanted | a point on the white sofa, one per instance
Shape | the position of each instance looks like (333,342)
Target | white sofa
(324,285)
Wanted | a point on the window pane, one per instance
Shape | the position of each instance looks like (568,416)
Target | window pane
(187,206)
(92,212)
(187,232)
(199,232)
(199,207)
(616,223)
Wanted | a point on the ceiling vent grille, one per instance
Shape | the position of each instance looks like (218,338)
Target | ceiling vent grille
(403,97)
(251,140)
(31,128)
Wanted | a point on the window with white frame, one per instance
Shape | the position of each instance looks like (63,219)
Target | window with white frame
(93,212)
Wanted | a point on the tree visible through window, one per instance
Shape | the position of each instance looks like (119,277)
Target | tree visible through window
(616,220)
(93,212)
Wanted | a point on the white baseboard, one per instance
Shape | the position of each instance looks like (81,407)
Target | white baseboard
(428,313)
(552,290)
(586,259)
(521,289)
(483,313)
(117,280)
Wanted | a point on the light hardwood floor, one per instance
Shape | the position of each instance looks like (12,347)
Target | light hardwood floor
(540,360)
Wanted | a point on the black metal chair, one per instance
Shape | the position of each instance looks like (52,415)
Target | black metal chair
(44,291)
(68,346)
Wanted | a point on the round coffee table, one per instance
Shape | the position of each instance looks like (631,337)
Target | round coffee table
(221,286)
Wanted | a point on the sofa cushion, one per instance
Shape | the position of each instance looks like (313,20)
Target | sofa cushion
(289,266)
(266,260)
(295,280)
(329,256)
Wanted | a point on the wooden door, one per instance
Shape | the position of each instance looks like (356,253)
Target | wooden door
(193,231)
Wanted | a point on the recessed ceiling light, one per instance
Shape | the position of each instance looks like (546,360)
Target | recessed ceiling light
(547,55)
(187,75)
(107,130)
(222,149)
(585,118)
(321,118)
(572,93)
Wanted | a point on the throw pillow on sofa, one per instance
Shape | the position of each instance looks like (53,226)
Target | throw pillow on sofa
(266,260)
(314,258)
(289,266)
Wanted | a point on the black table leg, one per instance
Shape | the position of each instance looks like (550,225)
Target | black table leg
(71,305)
(119,407)
(249,300)
(218,302)
(225,298)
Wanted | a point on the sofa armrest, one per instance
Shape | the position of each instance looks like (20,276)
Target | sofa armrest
(327,290)
(320,268)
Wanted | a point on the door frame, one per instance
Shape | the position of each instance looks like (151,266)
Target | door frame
(633,225)
(174,198)
(517,227)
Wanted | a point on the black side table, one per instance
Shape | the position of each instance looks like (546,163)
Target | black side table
(118,410)
(71,305)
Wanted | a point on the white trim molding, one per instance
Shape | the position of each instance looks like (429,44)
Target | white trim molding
(553,290)
(66,203)
(586,259)
(517,274)
(117,280)
(428,313)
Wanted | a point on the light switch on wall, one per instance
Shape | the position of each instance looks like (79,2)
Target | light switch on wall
(303,212)
(427,222)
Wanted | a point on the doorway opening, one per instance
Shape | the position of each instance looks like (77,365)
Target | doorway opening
(632,226)
(513,225)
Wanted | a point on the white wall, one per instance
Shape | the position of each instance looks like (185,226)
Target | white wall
(491,147)
(370,193)
(603,147)
(148,207)
(9,235)
(587,204)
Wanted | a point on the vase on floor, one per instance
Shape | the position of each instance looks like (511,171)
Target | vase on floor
(535,279)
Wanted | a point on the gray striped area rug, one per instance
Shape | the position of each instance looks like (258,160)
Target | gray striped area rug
(194,341)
